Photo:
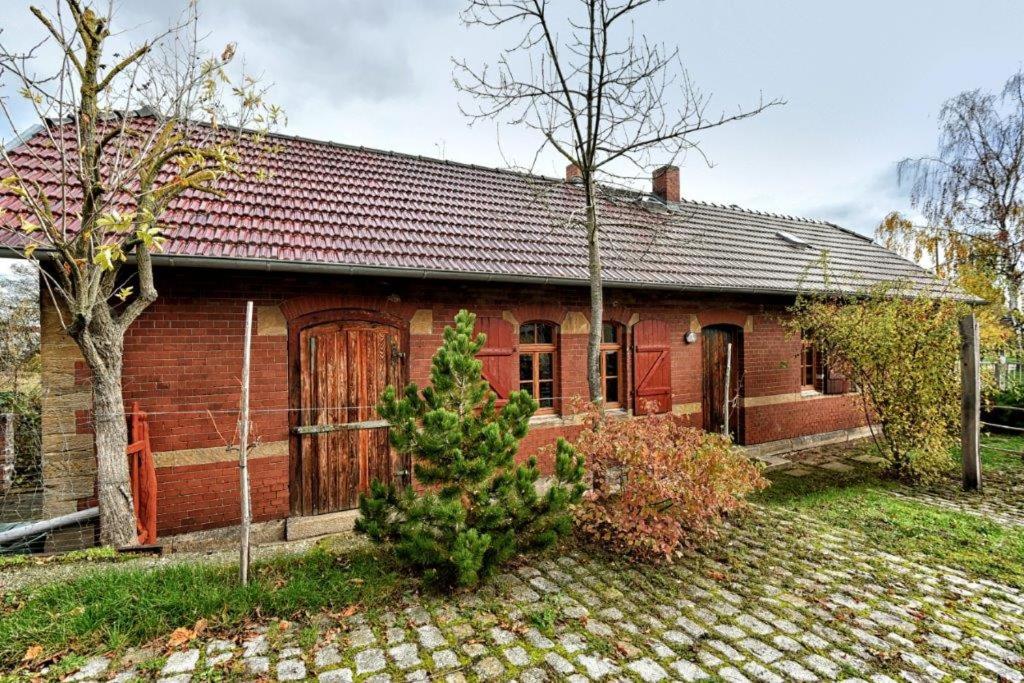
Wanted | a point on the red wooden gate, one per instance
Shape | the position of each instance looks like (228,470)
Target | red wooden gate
(652,363)
(142,474)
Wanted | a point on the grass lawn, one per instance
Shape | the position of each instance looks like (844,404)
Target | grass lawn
(861,501)
(112,609)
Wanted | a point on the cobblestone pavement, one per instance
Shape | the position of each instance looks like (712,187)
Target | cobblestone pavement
(1000,500)
(779,597)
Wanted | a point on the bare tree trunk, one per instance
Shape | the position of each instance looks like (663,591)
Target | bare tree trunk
(117,514)
(596,297)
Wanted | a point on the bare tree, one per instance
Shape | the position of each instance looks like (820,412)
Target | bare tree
(115,175)
(599,96)
(971,192)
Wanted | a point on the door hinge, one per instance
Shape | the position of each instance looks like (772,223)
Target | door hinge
(340,427)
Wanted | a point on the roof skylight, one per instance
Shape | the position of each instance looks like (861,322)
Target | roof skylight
(793,239)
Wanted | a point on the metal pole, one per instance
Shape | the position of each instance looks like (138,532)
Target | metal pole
(728,388)
(9,455)
(36,528)
(243,452)
(970,402)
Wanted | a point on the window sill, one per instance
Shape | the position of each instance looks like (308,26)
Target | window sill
(546,420)
(550,420)
(810,393)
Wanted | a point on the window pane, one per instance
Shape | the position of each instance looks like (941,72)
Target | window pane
(609,333)
(545,333)
(526,367)
(527,333)
(527,387)
(547,394)
(611,390)
(547,370)
(611,363)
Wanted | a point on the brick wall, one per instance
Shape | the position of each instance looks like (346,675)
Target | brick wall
(183,362)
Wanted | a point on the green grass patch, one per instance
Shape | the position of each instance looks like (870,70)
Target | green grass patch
(861,500)
(1000,459)
(112,609)
(74,556)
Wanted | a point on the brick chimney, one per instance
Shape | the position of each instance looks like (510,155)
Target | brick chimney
(665,183)
(572,172)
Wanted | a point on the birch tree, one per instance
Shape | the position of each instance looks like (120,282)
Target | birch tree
(93,238)
(970,192)
(595,93)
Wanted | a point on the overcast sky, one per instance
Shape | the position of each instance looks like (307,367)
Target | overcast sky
(863,81)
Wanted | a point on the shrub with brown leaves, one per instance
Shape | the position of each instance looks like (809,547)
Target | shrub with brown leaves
(658,484)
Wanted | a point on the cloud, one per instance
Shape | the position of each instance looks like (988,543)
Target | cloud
(359,50)
(864,210)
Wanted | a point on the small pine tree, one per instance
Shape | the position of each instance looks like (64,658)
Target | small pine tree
(477,508)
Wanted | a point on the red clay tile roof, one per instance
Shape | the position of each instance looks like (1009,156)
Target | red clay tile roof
(337,207)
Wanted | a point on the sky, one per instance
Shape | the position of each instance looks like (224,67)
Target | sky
(863,83)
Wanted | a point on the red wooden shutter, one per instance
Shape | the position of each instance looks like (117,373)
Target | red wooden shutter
(652,365)
(835,382)
(499,356)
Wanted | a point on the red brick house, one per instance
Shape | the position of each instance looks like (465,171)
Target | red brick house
(356,259)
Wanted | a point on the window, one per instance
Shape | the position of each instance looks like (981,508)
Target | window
(812,370)
(537,345)
(612,377)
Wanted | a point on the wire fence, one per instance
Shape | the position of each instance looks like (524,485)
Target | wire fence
(21,484)
(1005,372)
(195,456)
(195,461)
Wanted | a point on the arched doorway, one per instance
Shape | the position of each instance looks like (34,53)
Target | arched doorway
(722,372)
(341,363)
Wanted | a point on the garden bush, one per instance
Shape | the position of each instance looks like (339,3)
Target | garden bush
(658,484)
(902,350)
(473,508)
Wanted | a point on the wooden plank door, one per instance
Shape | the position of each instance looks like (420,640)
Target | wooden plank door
(343,443)
(715,341)
(652,367)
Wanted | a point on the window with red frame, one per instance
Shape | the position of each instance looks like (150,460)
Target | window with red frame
(613,379)
(538,346)
(812,369)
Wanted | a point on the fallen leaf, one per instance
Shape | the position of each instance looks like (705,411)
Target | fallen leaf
(284,625)
(349,611)
(32,653)
(180,636)
(199,627)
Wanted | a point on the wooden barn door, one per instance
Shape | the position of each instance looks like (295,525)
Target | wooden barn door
(716,341)
(343,444)
(652,367)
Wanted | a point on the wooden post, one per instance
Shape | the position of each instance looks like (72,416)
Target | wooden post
(728,389)
(243,452)
(970,402)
